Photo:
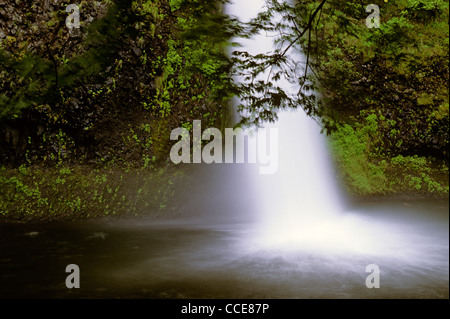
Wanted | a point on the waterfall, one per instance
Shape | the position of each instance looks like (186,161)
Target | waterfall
(303,194)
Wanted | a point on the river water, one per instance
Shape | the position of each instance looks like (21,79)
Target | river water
(181,259)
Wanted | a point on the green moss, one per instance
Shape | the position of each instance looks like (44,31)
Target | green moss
(425,99)
(387,89)
(442,111)
(366,174)
(350,149)
(52,194)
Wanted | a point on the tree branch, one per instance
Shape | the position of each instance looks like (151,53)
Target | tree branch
(308,26)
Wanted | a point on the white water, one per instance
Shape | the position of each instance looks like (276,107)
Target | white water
(298,201)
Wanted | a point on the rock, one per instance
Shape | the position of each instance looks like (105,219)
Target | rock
(74,33)
(32,234)
(74,103)
(137,51)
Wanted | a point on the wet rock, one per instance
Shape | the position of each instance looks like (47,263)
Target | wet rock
(137,51)
(32,234)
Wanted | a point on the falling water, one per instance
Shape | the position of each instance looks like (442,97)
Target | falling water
(301,208)
(303,195)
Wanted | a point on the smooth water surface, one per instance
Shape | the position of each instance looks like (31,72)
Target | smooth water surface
(179,259)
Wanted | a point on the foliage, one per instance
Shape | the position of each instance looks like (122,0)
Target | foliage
(43,79)
(389,85)
(367,173)
(129,68)
(260,90)
(81,193)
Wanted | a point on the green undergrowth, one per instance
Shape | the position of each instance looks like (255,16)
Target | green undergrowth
(367,173)
(99,145)
(80,193)
(133,77)
(386,90)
